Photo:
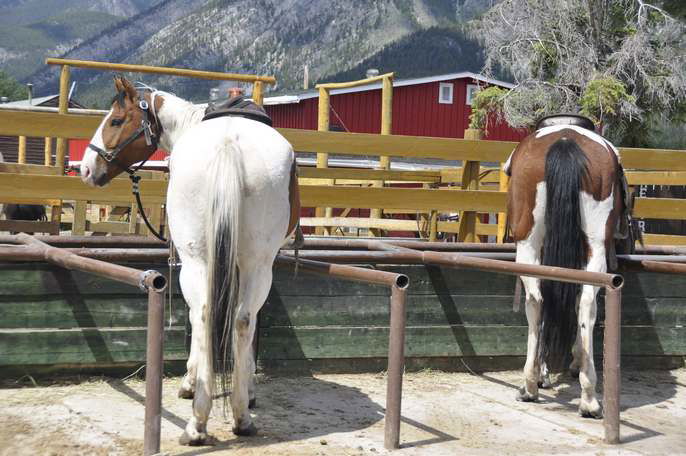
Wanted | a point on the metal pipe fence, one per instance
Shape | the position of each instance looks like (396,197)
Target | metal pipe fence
(319,255)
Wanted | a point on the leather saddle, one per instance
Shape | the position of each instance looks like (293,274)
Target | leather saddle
(238,106)
(565,119)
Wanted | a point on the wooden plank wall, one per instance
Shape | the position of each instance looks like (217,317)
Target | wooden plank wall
(51,316)
(455,318)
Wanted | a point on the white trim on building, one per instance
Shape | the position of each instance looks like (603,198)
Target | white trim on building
(287,99)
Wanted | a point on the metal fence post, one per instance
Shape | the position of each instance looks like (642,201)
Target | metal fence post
(611,363)
(153,373)
(396,366)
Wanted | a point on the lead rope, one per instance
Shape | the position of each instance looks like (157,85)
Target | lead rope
(172,264)
(135,179)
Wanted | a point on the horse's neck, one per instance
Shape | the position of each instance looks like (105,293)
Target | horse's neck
(176,116)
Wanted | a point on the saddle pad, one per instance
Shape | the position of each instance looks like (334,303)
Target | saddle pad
(238,106)
(566,119)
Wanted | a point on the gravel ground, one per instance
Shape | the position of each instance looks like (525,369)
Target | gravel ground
(443,414)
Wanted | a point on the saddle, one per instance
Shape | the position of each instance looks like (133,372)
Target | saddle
(565,119)
(238,106)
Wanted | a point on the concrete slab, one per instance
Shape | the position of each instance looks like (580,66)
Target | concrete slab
(443,414)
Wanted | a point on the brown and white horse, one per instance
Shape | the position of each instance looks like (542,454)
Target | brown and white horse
(565,205)
(232,201)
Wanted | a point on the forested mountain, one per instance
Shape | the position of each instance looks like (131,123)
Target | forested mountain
(275,37)
(427,52)
(31,30)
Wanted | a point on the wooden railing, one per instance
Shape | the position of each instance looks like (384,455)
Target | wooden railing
(350,188)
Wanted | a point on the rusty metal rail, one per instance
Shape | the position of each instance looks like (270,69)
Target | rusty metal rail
(36,250)
(484,257)
(151,282)
(398,284)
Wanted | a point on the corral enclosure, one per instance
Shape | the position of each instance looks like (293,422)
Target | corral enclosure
(56,320)
(68,319)
(52,318)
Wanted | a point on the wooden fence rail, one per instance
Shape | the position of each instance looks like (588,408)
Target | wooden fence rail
(645,167)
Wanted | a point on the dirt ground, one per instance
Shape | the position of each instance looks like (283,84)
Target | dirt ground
(443,414)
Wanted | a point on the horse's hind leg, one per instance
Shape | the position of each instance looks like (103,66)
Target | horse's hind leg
(192,282)
(595,216)
(255,280)
(586,315)
(528,253)
(200,375)
(588,406)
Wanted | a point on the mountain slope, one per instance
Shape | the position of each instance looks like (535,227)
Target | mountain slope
(274,37)
(30,30)
(424,53)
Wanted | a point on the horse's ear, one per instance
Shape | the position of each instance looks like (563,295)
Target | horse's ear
(129,88)
(118,83)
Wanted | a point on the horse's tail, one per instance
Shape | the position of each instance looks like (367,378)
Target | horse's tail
(225,178)
(564,245)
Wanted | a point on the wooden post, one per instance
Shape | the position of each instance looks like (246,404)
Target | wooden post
(502,216)
(386,114)
(433,225)
(323,158)
(386,125)
(63,107)
(133,218)
(470,181)
(257,93)
(21,156)
(78,227)
(48,152)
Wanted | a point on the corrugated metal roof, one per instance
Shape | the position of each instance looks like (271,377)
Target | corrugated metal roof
(36,101)
(287,99)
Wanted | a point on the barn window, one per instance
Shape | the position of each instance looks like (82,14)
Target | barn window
(445,93)
(471,93)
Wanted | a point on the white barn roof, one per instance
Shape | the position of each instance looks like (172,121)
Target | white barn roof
(287,99)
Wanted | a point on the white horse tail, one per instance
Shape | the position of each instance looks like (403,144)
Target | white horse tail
(225,178)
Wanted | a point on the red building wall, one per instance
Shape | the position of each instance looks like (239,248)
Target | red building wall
(77,149)
(416,112)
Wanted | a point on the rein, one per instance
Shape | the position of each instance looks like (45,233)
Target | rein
(151,139)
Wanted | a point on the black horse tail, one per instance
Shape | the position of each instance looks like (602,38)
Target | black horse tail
(565,245)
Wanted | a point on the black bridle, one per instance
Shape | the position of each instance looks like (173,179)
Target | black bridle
(146,129)
(151,139)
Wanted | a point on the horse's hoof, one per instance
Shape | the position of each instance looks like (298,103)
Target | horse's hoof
(523,396)
(199,439)
(591,412)
(186,393)
(252,403)
(248,431)
(545,383)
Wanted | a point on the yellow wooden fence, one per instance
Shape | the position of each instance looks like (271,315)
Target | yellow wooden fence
(645,167)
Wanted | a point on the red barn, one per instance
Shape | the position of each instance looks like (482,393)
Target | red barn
(432,106)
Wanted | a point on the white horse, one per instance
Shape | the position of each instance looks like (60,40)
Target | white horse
(232,201)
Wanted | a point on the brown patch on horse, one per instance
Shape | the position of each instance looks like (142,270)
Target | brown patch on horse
(124,120)
(294,200)
(527,168)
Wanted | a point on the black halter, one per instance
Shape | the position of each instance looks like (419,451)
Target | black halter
(144,129)
(151,139)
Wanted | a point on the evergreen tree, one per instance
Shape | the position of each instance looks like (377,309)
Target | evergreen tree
(621,62)
(10,88)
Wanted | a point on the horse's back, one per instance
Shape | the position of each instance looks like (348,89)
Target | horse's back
(265,154)
(527,171)
(265,160)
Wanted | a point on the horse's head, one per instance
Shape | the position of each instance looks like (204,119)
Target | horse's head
(128,135)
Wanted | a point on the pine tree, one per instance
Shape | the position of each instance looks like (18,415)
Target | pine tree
(10,88)
(621,62)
